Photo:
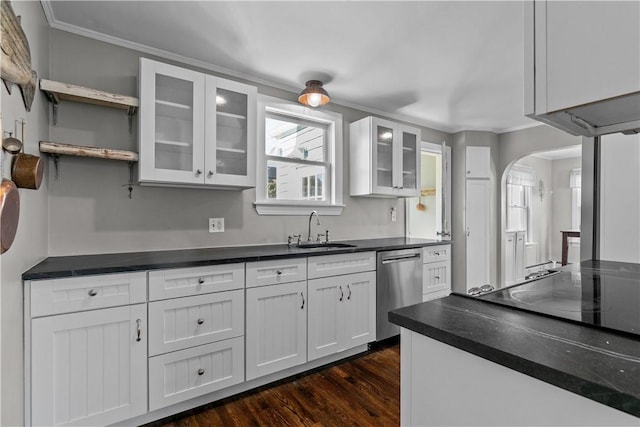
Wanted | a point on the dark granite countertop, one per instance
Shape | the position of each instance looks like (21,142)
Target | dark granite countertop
(598,364)
(82,265)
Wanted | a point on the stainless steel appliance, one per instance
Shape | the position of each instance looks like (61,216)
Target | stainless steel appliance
(399,283)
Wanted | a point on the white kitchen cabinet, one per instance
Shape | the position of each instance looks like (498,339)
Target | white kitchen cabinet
(342,313)
(89,368)
(578,54)
(478,162)
(514,257)
(195,130)
(182,282)
(384,158)
(478,231)
(276,332)
(436,272)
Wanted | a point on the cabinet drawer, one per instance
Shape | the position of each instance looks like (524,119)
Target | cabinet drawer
(87,293)
(179,323)
(435,277)
(182,375)
(182,282)
(333,265)
(435,253)
(278,271)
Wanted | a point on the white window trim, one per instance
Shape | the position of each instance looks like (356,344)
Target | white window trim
(333,121)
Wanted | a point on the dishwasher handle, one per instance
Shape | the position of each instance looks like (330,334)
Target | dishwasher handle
(400,258)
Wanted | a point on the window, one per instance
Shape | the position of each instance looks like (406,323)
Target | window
(575,183)
(299,160)
(520,181)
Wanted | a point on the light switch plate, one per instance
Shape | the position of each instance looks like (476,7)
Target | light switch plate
(216,225)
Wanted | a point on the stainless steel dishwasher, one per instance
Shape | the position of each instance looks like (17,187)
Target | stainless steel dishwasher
(399,283)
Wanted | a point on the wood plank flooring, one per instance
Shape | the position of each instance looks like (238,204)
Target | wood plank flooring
(362,391)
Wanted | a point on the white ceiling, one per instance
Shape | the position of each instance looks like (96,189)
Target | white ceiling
(450,65)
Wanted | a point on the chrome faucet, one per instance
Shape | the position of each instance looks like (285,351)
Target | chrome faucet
(318,223)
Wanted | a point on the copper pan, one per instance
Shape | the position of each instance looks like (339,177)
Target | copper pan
(9,214)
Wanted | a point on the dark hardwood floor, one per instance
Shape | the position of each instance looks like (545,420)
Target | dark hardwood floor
(362,391)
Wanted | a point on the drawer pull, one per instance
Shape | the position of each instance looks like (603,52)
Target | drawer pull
(349,289)
(436,253)
(93,293)
(437,277)
(200,371)
(341,294)
(200,280)
(139,330)
(200,321)
(302,295)
(278,272)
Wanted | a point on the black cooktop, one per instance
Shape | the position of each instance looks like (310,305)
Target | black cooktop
(603,294)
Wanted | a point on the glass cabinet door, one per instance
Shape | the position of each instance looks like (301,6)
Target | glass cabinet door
(171,130)
(409,160)
(384,140)
(230,134)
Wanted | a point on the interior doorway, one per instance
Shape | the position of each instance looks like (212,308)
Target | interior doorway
(541,215)
(429,215)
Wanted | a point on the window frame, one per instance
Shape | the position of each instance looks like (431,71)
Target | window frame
(333,185)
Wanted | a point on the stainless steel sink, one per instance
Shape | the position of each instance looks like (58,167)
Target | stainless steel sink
(316,245)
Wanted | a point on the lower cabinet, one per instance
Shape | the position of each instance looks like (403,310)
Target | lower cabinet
(276,328)
(514,257)
(342,313)
(436,272)
(181,375)
(89,368)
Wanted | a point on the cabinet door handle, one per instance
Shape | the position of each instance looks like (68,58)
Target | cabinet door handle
(436,253)
(210,173)
(198,172)
(341,294)
(302,295)
(139,330)
(93,293)
(200,371)
(437,277)
(278,272)
(200,321)
(349,289)
(200,280)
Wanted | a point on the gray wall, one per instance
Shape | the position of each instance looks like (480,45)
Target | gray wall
(461,140)
(30,245)
(89,209)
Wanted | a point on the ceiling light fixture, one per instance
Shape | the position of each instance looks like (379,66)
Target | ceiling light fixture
(314,95)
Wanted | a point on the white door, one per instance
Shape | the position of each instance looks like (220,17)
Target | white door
(89,368)
(325,331)
(359,320)
(429,215)
(276,331)
(478,202)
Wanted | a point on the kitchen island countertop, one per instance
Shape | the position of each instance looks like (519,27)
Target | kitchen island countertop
(598,364)
(82,265)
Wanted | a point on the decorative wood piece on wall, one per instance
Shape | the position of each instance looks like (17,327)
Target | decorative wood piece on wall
(16,56)
(83,151)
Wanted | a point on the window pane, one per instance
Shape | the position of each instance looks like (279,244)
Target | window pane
(294,181)
(294,138)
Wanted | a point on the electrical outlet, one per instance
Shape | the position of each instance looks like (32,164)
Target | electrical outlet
(394,216)
(216,225)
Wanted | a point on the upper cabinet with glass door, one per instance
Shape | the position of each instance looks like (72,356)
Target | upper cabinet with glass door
(384,158)
(195,130)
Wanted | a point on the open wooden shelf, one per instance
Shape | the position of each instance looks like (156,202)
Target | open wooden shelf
(84,151)
(57,91)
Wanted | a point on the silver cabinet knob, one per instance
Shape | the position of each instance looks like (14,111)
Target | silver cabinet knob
(200,371)
(278,272)
(198,172)
(437,277)
(210,173)
(200,280)
(93,293)
(200,321)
